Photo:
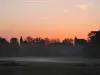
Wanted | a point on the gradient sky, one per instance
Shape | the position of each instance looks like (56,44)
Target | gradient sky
(49,18)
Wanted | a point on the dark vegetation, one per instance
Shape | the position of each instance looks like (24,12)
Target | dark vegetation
(51,47)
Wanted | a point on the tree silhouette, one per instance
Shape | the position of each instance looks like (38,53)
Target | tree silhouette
(93,47)
(42,41)
(28,40)
(47,40)
(39,40)
(68,41)
(4,49)
(3,41)
(21,40)
(55,41)
(14,45)
(94,37)
(58,41)
(14,41)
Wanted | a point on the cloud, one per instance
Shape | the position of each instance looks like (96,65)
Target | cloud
(85,6)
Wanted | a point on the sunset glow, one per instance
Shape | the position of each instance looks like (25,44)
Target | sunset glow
(49,18)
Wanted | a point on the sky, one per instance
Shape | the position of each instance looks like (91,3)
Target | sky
(49,18)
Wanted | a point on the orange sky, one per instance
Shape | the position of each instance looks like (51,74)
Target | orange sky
(49,18)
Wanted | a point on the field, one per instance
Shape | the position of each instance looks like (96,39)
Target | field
(50,66)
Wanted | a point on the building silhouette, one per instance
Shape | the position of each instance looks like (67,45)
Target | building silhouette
(79,41)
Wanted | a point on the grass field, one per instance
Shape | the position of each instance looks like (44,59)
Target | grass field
(43,66)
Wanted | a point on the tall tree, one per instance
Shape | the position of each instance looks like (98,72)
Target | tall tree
(94,37)
(92,49)
(21,40)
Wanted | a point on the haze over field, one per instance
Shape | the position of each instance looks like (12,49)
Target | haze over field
(49,18)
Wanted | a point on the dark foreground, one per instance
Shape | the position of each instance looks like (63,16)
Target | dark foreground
(16,66)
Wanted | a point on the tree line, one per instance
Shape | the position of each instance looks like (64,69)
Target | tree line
(37,40)
(91,48)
